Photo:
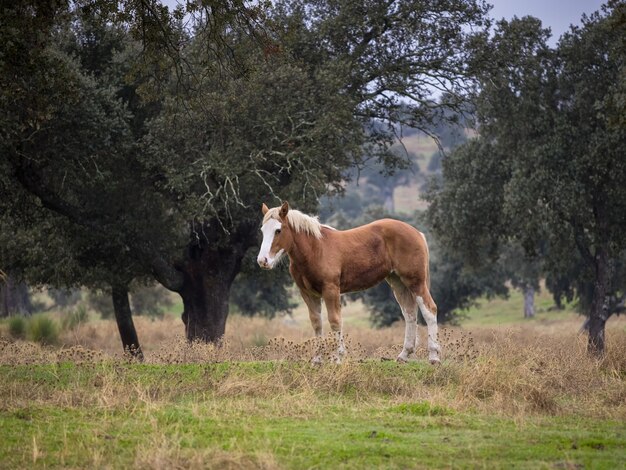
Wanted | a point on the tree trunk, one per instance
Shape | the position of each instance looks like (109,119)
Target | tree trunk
(205,301)
(529,301)
(14,298)
(600,302)
(124,319)
(208,276)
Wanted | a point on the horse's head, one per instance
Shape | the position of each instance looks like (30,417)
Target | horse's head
(277,237)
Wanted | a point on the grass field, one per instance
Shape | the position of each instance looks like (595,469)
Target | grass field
(509,394)
(273,415)
(508,311)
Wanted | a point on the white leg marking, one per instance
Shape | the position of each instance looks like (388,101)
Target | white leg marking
(341,348)
(409,312)
(410,335)
(317,359)
(431,323)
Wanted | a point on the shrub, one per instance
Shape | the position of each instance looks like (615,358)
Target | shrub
(17,327)
(42,329)
(74,318)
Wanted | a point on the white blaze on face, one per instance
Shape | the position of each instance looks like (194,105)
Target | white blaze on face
(265,258)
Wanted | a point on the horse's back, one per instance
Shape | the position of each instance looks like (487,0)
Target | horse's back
(394,234)
(371,252)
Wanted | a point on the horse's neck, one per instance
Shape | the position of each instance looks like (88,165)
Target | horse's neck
(305,248)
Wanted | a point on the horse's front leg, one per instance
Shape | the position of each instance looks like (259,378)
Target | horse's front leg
(314,304)
(332,299)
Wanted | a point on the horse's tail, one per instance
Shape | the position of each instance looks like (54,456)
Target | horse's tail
(427,260)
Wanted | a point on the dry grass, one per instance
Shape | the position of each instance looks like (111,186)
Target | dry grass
(511,371)
(257,402)
(165,453)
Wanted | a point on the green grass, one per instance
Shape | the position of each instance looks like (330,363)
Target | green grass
(333,436)
(499,311)
(177,307)
(170,415)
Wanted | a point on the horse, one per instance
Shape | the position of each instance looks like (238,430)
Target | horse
(325,263)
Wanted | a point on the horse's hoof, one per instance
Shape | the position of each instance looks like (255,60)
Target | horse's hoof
(435,362)
(401,360)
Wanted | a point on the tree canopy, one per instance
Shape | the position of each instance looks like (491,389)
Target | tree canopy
(140,142)
(547,169)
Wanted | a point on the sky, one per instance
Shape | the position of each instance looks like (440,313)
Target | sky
(556,14)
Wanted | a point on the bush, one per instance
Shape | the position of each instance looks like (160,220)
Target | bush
(17,327)
(74,318)
(42,329)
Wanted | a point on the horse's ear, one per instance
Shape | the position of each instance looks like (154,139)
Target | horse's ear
(283,210)
(264,209)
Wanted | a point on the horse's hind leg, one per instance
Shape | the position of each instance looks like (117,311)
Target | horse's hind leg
(408,305)
(429,312)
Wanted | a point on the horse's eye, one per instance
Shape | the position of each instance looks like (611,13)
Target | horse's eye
(277,231)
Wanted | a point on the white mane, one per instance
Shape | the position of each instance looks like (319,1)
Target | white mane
(298,221)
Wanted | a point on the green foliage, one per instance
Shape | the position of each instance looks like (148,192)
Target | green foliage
(150,301)
(17,327)
(455,286)
(42,329)
(74,318)
(616,100)
(382,305)
(467,216)
(184,130)
(79,124)
(101,302)
(265,295)
(547,171)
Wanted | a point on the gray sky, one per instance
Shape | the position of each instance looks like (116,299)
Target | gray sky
(556,14)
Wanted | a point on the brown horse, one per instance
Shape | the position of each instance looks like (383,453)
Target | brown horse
(326,263)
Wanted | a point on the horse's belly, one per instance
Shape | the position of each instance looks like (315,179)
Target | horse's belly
(357,278)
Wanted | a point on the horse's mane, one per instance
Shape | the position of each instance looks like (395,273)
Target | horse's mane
(298,221)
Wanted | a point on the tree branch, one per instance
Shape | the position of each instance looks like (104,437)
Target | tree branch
(162,271)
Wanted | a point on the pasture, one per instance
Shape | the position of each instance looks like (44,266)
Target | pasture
(518,394)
